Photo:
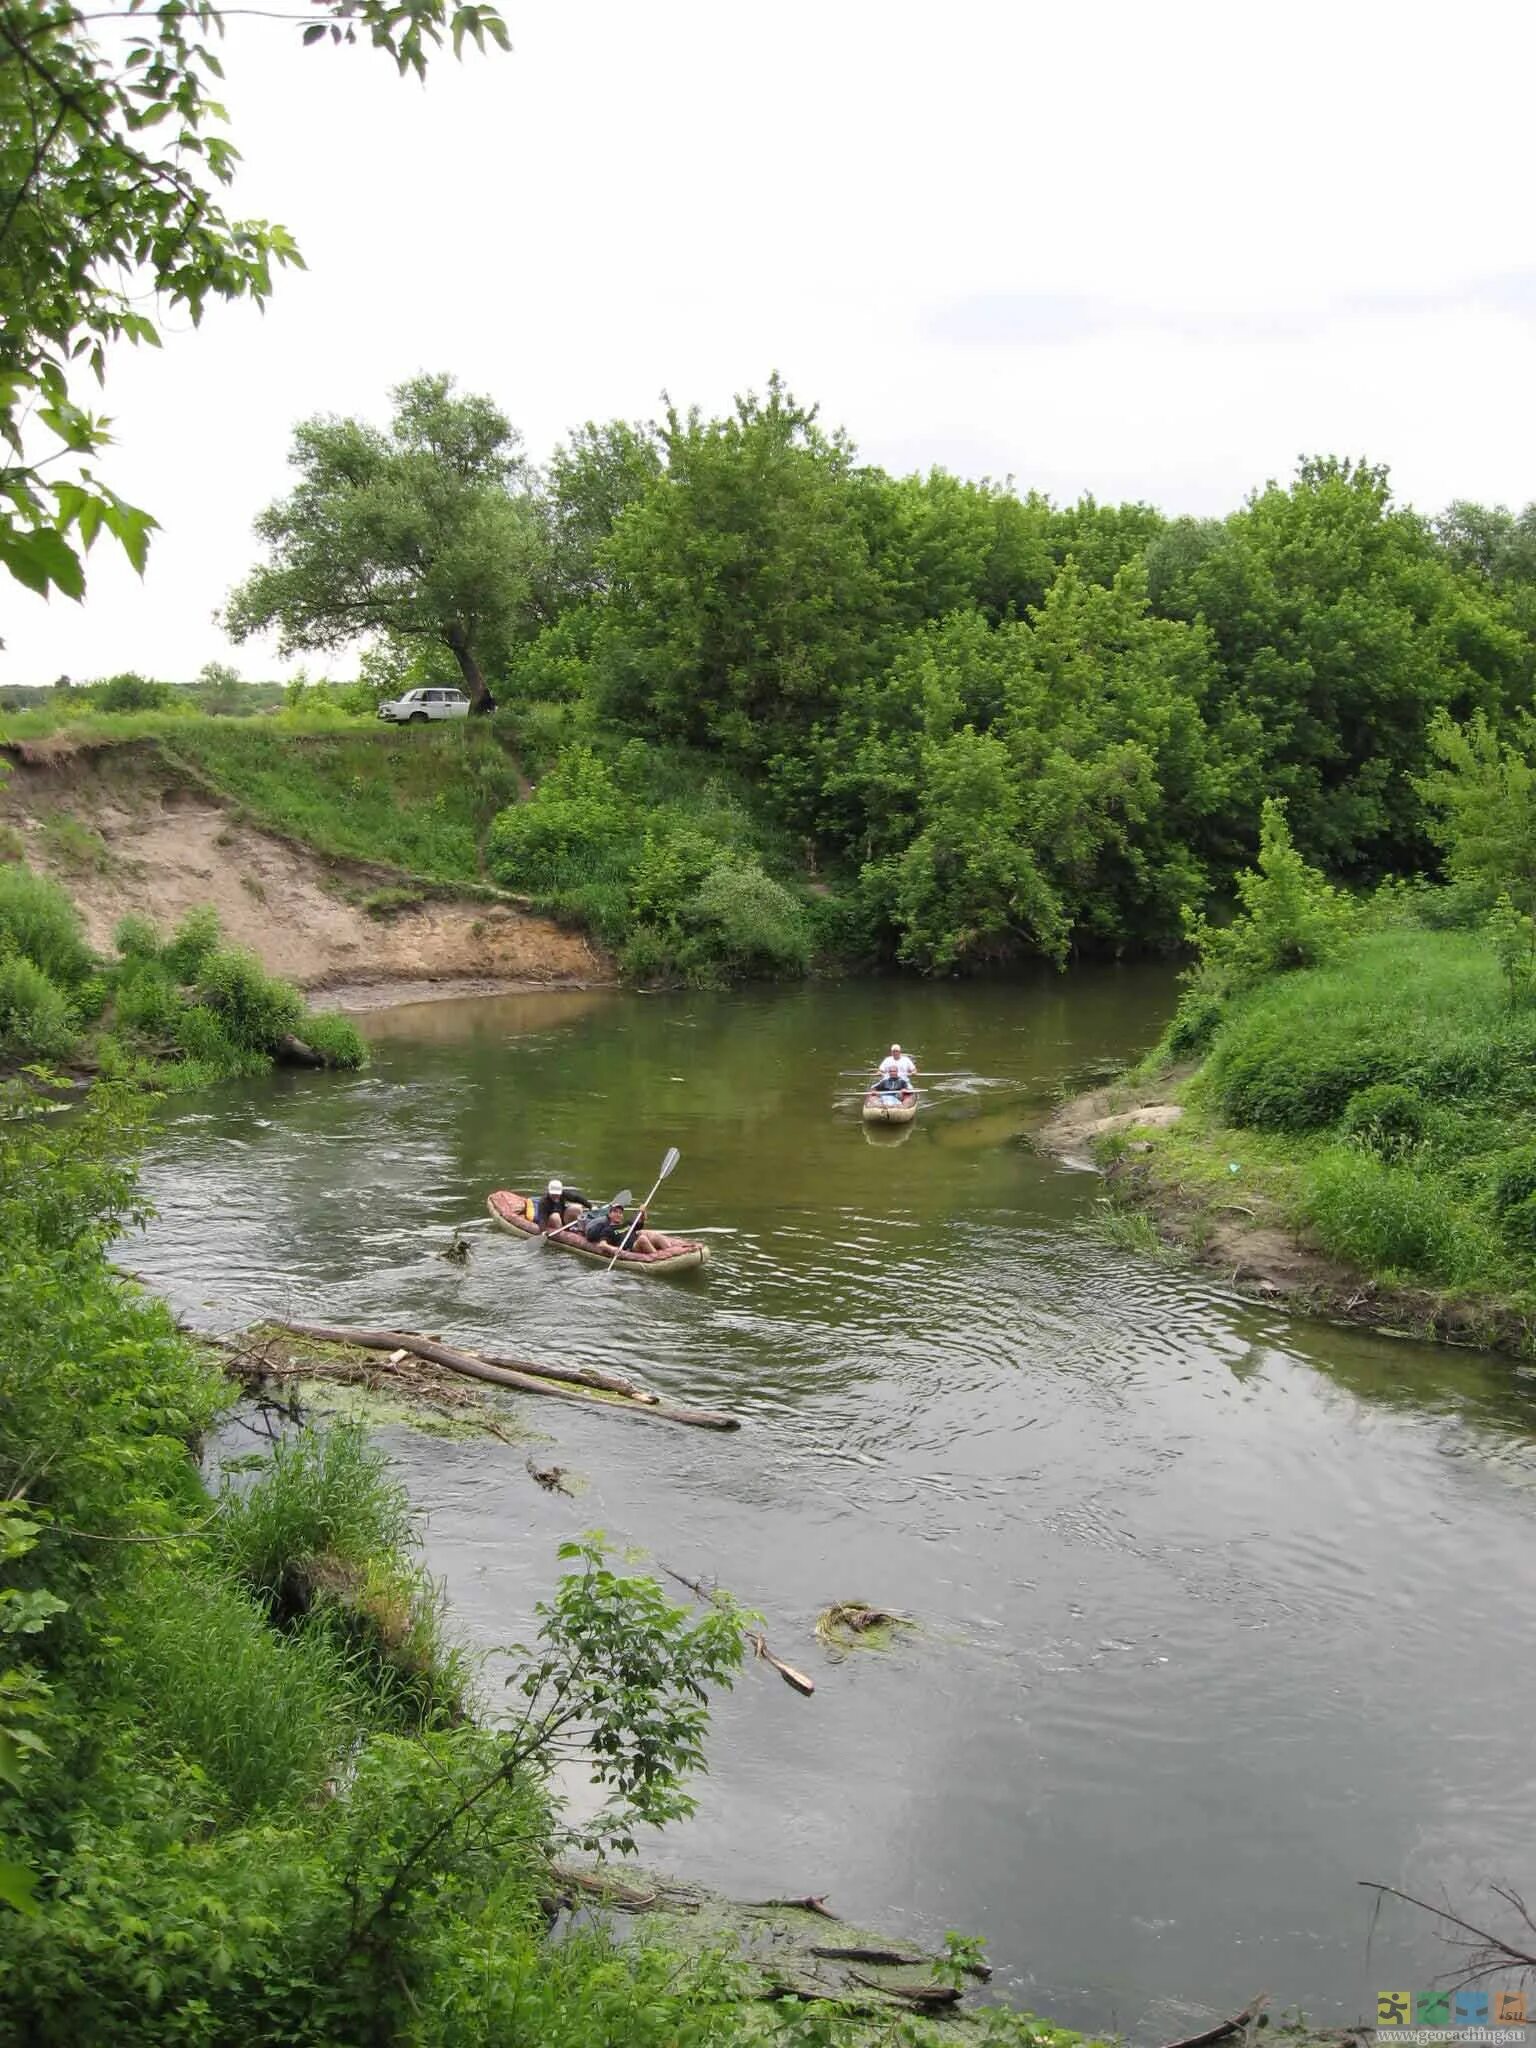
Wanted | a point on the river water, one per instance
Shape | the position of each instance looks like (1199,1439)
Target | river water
(1220,1611)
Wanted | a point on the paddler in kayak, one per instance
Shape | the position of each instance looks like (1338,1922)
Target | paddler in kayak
(559,1207)
(895,1075)
(609,1227)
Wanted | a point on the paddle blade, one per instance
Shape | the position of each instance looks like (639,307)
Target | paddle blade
(673,1156)
(623,1199)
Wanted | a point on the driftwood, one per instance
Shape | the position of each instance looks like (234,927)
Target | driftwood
(1223,2030)
(502,1376)
(576,1376)
(921,1997)
(550,1477)
(787,1672)
(891,1958)
(625,1898)
(816,1903)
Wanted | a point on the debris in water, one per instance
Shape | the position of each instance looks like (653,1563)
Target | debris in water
(849,1623)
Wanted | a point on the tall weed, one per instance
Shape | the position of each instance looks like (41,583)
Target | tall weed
(38,920)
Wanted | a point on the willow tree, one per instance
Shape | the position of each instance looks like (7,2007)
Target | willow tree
(112,162)
(424,534)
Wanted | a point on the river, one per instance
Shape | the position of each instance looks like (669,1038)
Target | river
(1220,1611)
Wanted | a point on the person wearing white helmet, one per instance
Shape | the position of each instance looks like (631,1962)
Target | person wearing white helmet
(558,1206)
(898,1067)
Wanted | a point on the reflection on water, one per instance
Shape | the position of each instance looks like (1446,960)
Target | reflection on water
(1220,1612)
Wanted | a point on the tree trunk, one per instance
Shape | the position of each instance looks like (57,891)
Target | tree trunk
(480,700)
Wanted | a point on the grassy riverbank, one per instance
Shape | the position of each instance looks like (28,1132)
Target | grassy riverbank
(1360,1135)
(663,855)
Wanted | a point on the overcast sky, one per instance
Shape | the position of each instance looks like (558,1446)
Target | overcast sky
(1147,251)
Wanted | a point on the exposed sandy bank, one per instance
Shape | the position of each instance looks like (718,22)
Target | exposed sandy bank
(167,847)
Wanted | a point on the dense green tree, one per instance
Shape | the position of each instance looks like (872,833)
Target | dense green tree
(1480,790)
(741,593)
(111,163)
(593,478)
(968,891)
(1342,629)
(426,534)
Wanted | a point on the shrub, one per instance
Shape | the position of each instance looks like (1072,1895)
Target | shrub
(196,939)
(136,938)
(322,1541)
(1387,1119)
(671,867)
(743,921)
(326,1494)
(40,922)
(1195,1023)
(34,1015)
(577,824)
(256,1010)
(336,1038)
(1518,1223)
(648,955)
(204,1045)
(1266,1079)
(89,999)
(851,926)
(147,1003)
(1290,917)
(132,692)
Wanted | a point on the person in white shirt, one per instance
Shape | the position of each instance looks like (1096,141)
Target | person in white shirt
(898,1066)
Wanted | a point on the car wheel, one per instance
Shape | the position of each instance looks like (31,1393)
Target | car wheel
(417,718)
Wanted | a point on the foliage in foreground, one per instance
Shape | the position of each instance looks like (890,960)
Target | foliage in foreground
(242,1799)
(113,163)
(177,1013)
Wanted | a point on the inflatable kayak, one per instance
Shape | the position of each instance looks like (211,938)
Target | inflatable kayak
(886,1106)
(515,1212)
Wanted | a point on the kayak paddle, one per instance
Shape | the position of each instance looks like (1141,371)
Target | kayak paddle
(673,1155)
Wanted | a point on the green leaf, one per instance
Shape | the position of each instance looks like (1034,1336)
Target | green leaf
(42,558)
(18,1888)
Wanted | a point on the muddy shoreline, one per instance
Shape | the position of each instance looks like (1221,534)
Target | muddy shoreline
(1116,1131)
(392,992)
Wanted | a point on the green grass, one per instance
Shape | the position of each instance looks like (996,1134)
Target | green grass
(75,846)
(421,800)
(1286,1115)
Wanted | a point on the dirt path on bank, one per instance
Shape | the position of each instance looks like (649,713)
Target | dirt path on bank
(131,836)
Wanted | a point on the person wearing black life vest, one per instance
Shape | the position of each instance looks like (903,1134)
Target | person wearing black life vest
(559,1207)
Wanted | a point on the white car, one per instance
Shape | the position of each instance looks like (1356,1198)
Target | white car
(423,704)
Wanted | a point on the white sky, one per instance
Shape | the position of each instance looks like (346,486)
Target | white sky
(1148,251)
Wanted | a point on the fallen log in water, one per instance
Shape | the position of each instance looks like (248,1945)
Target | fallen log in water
(711,1597)
(575,1375)
(477,1368)
(1225,2029)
